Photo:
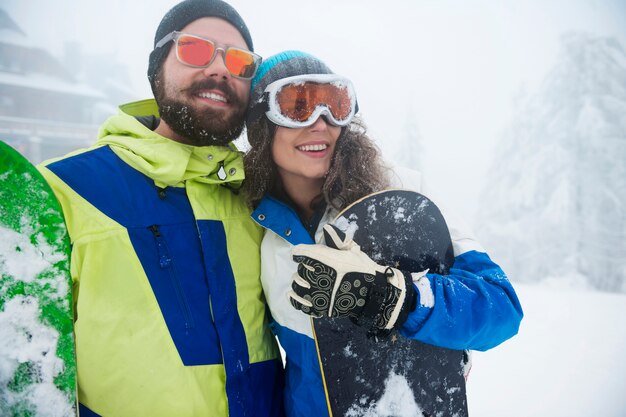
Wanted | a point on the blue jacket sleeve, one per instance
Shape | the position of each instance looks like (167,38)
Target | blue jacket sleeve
(473,307)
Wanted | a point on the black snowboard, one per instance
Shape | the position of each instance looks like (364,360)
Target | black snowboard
(392,375)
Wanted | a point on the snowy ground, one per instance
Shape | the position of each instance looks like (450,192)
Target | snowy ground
(567,361)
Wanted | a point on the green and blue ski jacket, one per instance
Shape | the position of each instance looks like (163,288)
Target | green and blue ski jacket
(170,315)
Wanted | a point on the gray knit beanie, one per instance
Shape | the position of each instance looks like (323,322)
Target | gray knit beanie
(184,13)
(282,65)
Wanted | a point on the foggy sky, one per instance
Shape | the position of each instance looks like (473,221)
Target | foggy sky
(451,67)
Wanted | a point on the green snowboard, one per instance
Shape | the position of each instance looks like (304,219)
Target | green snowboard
(37,358)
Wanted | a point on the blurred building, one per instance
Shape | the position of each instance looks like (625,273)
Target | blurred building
(46,107)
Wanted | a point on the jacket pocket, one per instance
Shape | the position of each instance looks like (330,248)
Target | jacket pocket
(166,263)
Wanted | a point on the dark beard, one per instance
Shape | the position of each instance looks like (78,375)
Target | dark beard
(206,127)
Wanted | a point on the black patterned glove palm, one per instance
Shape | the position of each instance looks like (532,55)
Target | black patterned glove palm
(342,281)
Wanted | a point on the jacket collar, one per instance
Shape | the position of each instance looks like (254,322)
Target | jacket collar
(278,217)
(167,162)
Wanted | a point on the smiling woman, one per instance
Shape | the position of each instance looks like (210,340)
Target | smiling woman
(303,157)
(308,148)
(310,157)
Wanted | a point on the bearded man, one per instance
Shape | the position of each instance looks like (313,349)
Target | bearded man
(169,315)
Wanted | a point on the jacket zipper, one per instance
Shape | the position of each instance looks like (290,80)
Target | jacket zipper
(165,262)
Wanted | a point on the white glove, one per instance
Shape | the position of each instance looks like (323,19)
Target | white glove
(345,282)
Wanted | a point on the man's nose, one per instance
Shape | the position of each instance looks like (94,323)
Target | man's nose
(217,68)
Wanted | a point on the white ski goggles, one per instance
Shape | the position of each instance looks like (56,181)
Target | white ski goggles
(299,101)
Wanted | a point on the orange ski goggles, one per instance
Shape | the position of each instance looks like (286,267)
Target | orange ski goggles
(199,52)
(300,100)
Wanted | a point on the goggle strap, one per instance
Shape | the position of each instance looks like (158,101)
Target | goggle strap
(260,108)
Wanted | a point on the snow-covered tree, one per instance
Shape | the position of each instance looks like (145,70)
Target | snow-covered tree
(554,207)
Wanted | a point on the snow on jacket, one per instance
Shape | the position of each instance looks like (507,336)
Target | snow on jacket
(474,307)
(170,316)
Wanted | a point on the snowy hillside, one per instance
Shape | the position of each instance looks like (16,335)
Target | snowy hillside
(553,206)
(567,360)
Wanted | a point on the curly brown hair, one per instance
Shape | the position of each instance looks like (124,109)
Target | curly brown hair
(356,169)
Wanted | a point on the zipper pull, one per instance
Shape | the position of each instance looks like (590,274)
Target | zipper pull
(164,259)
(221,172)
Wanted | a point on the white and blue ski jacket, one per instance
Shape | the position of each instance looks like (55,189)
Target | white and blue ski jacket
(474,307)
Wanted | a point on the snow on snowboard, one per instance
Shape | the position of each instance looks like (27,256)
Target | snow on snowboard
(37,358)
(392,375)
